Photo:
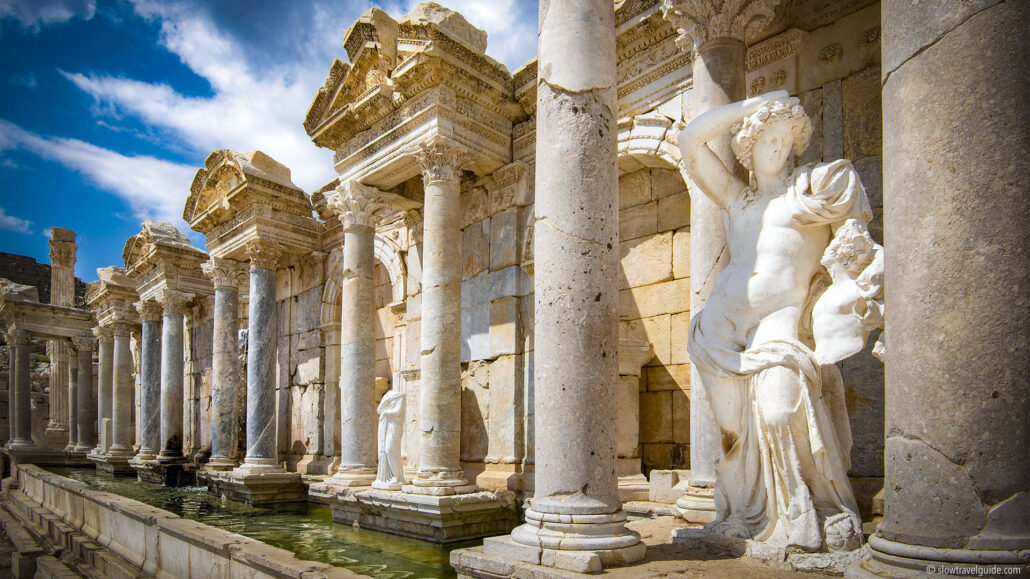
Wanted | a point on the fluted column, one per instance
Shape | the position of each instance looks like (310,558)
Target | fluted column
(172,319)
(439,470)
(86,410)
(261,356)
(356,206)
(105,361)
(150,381)
(21,410)
(957,364)
(122,407)
(226,276)
(73,402)
(576,504)
(715,32)
(62,293)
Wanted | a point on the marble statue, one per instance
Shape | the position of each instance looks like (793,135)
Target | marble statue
(390,474)
(767,340)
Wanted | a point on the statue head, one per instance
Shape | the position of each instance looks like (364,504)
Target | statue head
(765,139)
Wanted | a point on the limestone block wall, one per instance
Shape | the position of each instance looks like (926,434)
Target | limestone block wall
(654,306)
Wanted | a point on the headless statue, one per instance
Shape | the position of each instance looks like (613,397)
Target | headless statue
(767,341)
(390,474)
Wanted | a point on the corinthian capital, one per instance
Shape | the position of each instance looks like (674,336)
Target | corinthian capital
(103,333)
(264,254)
(441,160)
(699,21)
(149,311)
(357,205)
(174,302)
(62,253)
(223,272)
(83,344)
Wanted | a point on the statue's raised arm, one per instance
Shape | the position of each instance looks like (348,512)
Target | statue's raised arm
(704,167)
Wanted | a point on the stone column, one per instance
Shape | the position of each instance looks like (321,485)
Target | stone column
(356,206)
(21,409)
(10,391)
(62,293)
(105,361)
(172,320)
(261,356)
(955,114)
(150,381)
(575,513)
(439,470)
(73,403)
(123,406)
(86,410)
(714,31)
(225,275)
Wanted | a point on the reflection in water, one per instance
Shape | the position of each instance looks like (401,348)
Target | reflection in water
(306,529)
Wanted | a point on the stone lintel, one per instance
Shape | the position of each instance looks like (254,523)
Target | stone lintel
(297,235)
(45,320)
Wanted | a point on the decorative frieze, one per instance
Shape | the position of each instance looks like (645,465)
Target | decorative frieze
(776,48)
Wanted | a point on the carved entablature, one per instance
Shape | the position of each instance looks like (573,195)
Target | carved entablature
(651,68)
(240,196)
(161,257)
(111,297)
(773,63)
(422,76)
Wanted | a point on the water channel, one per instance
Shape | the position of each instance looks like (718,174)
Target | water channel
(306,529)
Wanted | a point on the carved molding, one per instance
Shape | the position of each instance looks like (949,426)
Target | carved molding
(776,48)
(103,333)
(84,344)
(224,272)
(121,329)
(264,254)
(172,301)
(62,253)
(18,337)
(149,311)
(357,205)
(441,160)
(698,21)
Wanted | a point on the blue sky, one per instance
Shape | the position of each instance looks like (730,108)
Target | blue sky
(108,107)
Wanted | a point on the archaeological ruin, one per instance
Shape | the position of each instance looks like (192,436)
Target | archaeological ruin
(752,272)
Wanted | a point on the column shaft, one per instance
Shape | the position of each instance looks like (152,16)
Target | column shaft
(225,376)
(957,479)
(171,382)
(22,396)
(73,399)
(123,407)
(357,358)
(105,383)
(86,403)
(150,388)
(440,389)
(12,415)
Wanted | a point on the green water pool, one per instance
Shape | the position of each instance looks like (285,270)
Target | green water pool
(306,529)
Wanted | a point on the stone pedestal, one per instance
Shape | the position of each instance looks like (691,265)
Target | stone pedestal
(440,519)
(257,487)
(167,472)
(957,360)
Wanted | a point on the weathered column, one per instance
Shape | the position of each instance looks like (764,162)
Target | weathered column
(21,410)
(439,470)
(123,402)
(86,409)
(73,403)
(11,414)
(173,304)
(356,206)
(62,293)
(714,31)
(575,512)
(105,361)
(225,275)
(261,355)
(150,381)
(955,117)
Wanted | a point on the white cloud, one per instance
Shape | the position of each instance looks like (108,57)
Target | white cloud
(153,188)
(12,223)
(35,14)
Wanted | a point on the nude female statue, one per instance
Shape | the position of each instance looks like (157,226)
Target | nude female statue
(786,438)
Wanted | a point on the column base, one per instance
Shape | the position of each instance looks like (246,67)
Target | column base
(505,557)
(116,465)
(220,464)
(167,473)
(82,448)
(887,558)
(584,543)
(697,505)
(23,445)
(352,477)
(260,487)
(435,518)
(765,553)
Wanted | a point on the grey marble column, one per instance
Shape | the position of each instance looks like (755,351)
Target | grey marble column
(150,381)
(86,409)
(957,363)
(719,52)
(226,276)
(356,206)
(11,415)
(261,356)
(22,408)
(173,303)
(105,361)
(73,399)
(123,406)
(439,470)
(576,504)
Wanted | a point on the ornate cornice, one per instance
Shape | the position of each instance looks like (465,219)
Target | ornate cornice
(224,272)
(698,21)
(357,205)
(149,311)
(264,254)
(441,160)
